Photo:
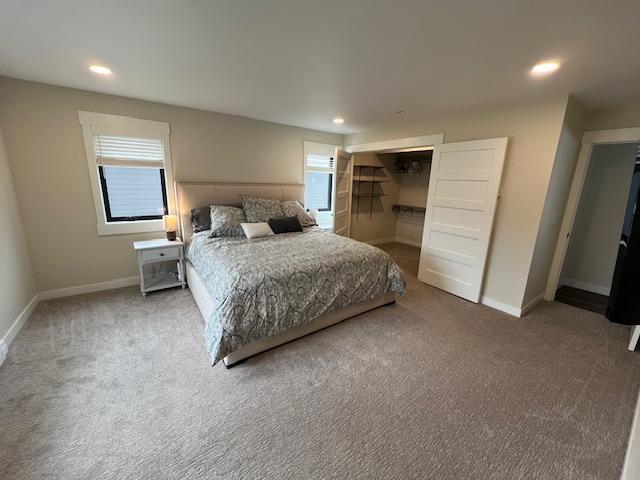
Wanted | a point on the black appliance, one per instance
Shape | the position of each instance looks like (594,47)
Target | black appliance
(624,299)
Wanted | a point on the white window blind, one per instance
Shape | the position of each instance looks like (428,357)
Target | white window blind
(134,151)
(322,163)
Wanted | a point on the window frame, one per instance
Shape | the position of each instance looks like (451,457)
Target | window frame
(98,123)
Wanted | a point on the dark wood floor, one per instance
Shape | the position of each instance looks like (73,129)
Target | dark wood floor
(575,297)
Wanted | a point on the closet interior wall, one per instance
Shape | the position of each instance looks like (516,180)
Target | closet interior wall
(413,191)
(372,219)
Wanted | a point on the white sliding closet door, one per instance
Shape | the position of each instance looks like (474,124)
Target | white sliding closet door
(461,203)
(342,192)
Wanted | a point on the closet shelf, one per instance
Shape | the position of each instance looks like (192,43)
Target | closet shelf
(359,180)
(369,166)
(371,180)
(410,209)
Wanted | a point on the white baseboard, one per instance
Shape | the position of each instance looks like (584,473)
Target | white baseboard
(406,241)
(589,287)
(531,304)
(89,288)
(3,351)
(510,309)
(635,338)
(631,467)
(380,241)
(16,326)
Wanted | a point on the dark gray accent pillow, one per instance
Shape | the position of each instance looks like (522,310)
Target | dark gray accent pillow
(285,224)
(201,219)
(226,221)
(260,209)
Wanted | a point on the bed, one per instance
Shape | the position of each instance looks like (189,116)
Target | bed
(256,294)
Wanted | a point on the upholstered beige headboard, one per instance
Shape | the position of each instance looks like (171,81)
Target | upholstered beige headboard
(200,194)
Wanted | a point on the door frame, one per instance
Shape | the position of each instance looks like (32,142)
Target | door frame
(397,143)
(589,140)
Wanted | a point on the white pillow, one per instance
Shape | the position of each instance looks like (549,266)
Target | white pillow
(256,230)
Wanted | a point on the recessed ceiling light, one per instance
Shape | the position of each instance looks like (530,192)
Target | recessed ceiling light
(99,69)
(545,68)
(338,120)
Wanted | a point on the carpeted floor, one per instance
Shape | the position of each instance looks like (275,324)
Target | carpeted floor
(112,385)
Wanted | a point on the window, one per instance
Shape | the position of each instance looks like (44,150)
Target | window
(319,187)
(130,170)
(131,193)
(318,179)
(131,177)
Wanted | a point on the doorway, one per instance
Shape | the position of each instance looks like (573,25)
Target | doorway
(589,141)
(589,263)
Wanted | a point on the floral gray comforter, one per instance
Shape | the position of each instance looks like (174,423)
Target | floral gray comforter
(264,286)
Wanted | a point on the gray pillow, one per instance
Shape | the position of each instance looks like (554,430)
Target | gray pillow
(225,221)
(261,209)
(291,208)
(200,219)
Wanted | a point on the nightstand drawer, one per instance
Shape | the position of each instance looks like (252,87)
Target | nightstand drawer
(170,253)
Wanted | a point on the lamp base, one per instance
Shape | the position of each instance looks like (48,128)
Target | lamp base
(171,235)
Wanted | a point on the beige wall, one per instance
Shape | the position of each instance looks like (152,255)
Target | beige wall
(17,286)
(592,251)
(621,117)
(47,157)
(381,224)
(555,202)
(533,130)
(413,191)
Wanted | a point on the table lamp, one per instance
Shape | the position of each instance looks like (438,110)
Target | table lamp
(170,225)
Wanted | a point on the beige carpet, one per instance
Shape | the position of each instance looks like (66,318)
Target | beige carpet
(112,385)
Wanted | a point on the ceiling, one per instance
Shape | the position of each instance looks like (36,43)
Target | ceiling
(302,62)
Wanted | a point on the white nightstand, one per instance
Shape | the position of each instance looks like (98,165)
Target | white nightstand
(156,252)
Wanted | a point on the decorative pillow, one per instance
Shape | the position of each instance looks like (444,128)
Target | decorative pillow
(292,207)
(285,224)
(225,221)
(260,209)
(200,219)
(256,230)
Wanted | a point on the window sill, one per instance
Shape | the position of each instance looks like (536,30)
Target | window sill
(121,228)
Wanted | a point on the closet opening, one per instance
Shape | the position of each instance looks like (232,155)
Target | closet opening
(388,201)
(434,203)
(593,248)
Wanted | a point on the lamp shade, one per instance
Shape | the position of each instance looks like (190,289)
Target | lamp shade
(170,223)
